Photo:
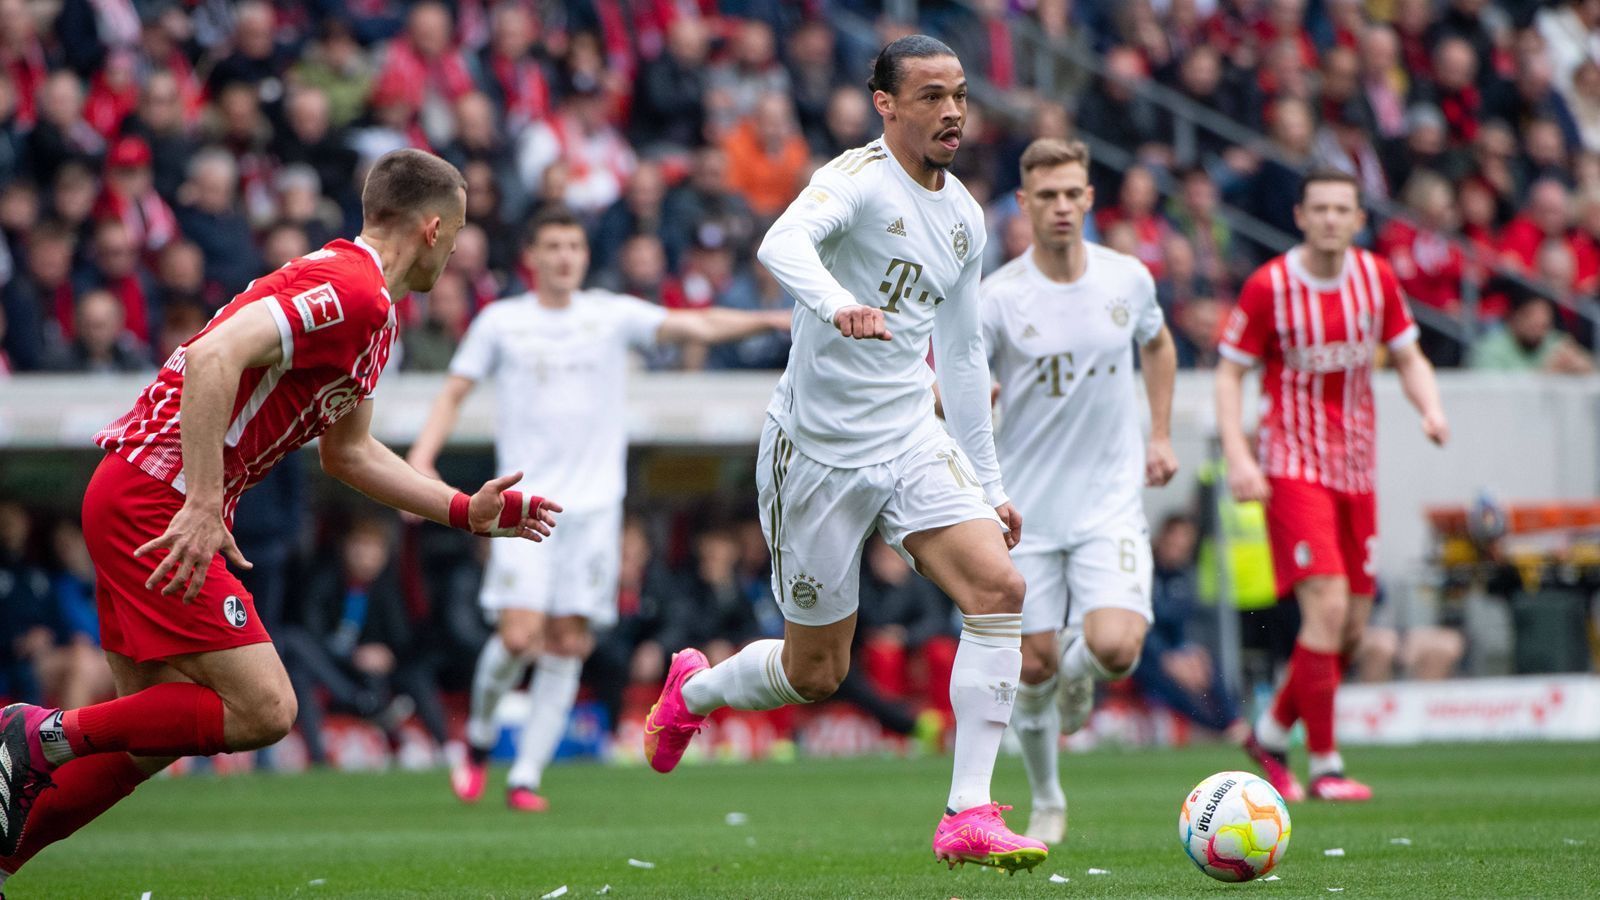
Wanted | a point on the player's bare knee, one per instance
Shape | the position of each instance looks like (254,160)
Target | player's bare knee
(1116,656)
(267,720)
(521,643)
(818,683)
(999,594)
(1037,668)
(815,676)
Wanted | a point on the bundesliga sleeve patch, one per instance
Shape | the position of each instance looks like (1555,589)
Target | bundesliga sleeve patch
(319,307)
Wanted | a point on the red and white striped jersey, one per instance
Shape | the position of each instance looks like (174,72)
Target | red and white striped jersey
(1318,341)
(336,322)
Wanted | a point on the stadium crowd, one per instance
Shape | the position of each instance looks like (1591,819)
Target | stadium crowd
(156,156)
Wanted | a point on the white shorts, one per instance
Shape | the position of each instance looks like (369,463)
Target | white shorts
(1109,570)
(816,517)
(573,572)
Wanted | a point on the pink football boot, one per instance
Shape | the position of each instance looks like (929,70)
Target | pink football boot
(521,799)
(979,835)
(670,725)
(1334,786)
(1275,766)
(468,779)
(24,770)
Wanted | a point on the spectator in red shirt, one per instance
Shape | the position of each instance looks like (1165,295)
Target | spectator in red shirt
(1548,216)
(1285,23)
(116,270)
(130,196)
(1425,261)
(1136,205)
(113,94)
(1411,21)
(509,72)
(1455,89)
(425,70)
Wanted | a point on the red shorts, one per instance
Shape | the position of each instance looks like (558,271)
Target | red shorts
(1317,531)
(123,509)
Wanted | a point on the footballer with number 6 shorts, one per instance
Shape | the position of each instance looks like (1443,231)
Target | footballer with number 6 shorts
(1060,323)
(1314,319)
(294,357)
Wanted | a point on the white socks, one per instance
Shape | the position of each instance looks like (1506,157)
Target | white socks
(753,678)
(983,689)
(1272,736)
(1078,662)
(1326,764)
(550,697)
(1037,722)
(497,670)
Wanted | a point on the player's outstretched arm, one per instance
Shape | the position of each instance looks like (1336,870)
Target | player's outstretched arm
(212,367)
(441,421)
(351,454)
(717,326)
(1158,359)
(1422,389)
(1245,480)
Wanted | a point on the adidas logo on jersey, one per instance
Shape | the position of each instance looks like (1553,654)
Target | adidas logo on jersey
(1030,332)
(898,227)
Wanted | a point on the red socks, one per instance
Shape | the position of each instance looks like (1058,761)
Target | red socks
(1307,694)
(84,789)
(173,719)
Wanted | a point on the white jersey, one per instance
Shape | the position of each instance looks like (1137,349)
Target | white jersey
(863,233)
(1069,435)
(561,389)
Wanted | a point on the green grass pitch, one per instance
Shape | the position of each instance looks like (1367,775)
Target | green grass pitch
(1482,821)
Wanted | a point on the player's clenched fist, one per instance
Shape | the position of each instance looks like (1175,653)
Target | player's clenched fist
(498,512)
(862,323)
(1246,482)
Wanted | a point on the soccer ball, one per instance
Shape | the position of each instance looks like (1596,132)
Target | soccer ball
(1234,826)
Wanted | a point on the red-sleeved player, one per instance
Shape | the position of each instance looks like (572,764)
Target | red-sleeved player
(1315,317)
(294,357)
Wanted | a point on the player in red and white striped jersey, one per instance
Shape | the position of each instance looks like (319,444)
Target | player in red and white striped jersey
(294,357)
(1315,318)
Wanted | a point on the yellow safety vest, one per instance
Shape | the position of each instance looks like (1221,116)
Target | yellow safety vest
(1249,552)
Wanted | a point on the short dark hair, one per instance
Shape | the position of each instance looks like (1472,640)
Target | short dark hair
(887,70)
(553,216)
(406,183)
(1329,176)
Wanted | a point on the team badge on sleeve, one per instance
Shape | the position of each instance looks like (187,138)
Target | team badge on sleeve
(319,307)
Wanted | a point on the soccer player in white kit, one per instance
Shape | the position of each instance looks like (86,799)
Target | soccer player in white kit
(882,252)
(559,358)
(1060,322)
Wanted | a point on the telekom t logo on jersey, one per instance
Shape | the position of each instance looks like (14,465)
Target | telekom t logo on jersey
(319,307)
(900,278)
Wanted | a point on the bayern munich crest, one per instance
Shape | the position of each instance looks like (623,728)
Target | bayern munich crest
(803,591)
(1120,312)
(960,241)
